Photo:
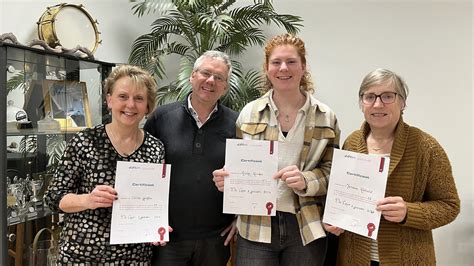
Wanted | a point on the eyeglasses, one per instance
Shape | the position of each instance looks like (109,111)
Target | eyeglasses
(207,74)
(371,98)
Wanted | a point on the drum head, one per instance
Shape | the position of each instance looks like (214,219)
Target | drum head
(68,25)
(73,27)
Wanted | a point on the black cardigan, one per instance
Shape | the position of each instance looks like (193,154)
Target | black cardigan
(195,204)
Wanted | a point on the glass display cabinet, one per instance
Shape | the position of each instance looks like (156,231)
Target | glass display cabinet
(45,98)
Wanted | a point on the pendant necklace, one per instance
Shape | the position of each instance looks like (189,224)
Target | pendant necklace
(383,146)
(287,118)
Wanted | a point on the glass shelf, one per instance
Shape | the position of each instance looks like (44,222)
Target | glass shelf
(44,85)
(40,212)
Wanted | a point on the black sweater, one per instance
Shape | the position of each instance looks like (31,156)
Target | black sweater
(195,204)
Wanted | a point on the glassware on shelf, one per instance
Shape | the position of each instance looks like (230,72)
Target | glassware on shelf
(48,124)
(36,202)
(35,186)
(11,201)
(19,192)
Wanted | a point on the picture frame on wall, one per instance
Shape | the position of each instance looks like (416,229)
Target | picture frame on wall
(68,103)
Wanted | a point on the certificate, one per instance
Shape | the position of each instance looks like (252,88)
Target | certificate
(140,214)
(356,182)
(250,189)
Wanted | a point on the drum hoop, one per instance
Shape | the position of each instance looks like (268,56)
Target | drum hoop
(56,9)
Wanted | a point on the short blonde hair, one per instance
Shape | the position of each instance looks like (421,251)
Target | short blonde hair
(139,77)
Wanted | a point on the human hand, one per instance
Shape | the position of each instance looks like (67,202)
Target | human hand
(394,209)
(102,196)
(218,178)
(292,176)
(162,243)
(333,229)
(231,232)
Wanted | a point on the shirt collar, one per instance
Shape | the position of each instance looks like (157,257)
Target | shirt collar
(310,101)
(195,114)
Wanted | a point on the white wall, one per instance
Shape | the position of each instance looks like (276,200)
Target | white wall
(117,25)
(429,43)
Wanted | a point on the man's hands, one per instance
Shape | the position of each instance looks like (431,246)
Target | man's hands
(231,232)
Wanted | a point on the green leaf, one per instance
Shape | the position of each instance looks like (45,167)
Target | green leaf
(151,6)
(191,27)
(17,82)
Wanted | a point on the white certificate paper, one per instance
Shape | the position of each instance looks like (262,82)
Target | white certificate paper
(250,188)
(356,182)
(140,214)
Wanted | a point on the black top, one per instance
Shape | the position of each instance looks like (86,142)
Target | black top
(195,207)
(90,160)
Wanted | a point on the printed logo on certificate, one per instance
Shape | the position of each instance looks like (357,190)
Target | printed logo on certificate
(250,188)
(140,214)
(356,182)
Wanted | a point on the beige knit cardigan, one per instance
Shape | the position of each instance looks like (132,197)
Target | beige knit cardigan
(421,174)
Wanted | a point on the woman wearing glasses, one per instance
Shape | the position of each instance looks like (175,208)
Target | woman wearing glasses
(420,194)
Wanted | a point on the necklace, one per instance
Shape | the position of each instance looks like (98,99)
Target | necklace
(383,146)
(120,150)
(292,110)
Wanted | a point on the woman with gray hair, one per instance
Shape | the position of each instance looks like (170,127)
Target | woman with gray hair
(420,195)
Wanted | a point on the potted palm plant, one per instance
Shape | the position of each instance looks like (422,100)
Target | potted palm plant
(188,28)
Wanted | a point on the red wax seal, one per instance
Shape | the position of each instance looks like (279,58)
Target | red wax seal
(371,228)
(269,207)
(161,232)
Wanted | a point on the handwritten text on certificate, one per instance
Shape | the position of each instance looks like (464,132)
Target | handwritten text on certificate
(250,189)
(356,182)
(140,214)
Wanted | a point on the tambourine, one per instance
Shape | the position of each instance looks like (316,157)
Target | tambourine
(68,25)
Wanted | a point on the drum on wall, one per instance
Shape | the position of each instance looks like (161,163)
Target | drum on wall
(68,25)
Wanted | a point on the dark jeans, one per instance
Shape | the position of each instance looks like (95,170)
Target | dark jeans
(286,248)
(205,252)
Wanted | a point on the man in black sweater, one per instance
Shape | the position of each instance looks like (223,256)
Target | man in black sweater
(194,133)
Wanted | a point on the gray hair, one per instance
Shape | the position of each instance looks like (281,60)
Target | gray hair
(387,77)
(213,54)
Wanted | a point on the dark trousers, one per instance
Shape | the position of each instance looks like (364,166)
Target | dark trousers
(202,252)
(286,248)
(331,254)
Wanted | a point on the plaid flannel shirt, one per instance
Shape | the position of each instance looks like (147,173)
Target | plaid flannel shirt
(320,138)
